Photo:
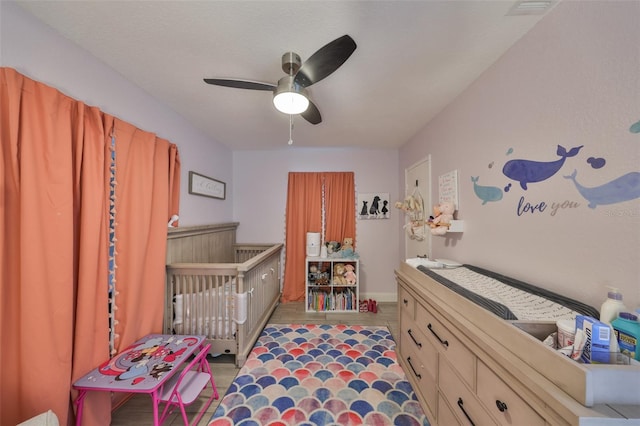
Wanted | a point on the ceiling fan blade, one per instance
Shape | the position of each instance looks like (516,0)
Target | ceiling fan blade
(312,114)
(325,61)
(241,84)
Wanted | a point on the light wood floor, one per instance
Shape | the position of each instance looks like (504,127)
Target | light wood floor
(137,410)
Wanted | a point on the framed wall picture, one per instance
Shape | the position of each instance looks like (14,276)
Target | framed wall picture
(374,205)
(206,186)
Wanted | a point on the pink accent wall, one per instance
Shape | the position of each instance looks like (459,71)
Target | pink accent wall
(573,80)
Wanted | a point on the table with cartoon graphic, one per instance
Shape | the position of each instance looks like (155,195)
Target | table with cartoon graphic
(143,367)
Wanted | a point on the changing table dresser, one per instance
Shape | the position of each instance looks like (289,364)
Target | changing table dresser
(470,367)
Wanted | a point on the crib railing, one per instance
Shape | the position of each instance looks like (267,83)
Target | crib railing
(261,279)
(245,252)
(210,302)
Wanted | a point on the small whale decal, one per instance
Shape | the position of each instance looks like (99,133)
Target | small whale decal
(624,188)
(486,193)
(529,171)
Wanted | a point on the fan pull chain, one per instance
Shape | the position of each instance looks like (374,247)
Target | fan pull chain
(290,129)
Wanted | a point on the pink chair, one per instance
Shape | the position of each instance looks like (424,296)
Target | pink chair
(183,389)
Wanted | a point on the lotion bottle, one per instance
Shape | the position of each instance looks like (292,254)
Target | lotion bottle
(612,306)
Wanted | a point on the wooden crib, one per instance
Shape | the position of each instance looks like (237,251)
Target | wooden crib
(220,289)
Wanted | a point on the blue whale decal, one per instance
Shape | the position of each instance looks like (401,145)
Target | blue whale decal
(486,193)
(528,171)
(624,188)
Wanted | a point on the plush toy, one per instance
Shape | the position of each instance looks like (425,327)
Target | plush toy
(350,275)
(313,273)
(432,218)
(332,247)
(443,217)
(322,279)
(347,248)
(338,274)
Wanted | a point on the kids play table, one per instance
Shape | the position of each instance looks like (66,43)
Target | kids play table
(143,367)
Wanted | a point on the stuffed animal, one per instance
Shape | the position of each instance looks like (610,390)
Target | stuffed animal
(347,248)
(338,274)
(350,275)
(313,273)
(436,212)
(440,223)
(332,247)
(322,279)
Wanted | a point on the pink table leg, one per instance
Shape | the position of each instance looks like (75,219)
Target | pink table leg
(154,397)
(80,404)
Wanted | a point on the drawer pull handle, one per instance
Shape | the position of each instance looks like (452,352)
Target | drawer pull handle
(418,375)
(501,406)
(443,342)
(414,339)
(460,404)
(405,301)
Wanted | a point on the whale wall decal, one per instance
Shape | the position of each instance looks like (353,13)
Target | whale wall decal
(486,193)
(529,171)
(624,188)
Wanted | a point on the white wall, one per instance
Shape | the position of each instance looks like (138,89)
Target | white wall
(573,80)
(38,52)
(260,195)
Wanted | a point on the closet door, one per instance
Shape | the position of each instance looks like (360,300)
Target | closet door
(418,178)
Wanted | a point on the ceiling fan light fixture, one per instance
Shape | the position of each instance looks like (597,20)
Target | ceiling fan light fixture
(289,97)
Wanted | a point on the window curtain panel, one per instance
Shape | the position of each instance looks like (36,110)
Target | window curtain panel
(340,206)
(147,182)
(304,214)
(54,221)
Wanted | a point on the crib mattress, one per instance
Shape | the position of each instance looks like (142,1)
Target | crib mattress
(506,297)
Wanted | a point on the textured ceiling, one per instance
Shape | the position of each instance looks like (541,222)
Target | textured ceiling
(413,58)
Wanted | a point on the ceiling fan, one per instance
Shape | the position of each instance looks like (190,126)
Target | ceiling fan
(290,94)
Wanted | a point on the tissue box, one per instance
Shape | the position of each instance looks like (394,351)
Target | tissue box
(597,335)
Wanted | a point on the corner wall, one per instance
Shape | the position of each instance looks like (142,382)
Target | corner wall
(572,81)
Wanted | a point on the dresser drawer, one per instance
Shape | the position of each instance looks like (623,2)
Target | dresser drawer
(445,414)
(423,381)
(463,402)
(448,344)
(421,347)
(406,302)
(507,407)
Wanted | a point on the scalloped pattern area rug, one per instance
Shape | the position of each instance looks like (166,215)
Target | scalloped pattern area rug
(318,375)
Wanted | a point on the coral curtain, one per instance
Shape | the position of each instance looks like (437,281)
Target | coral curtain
(147,176)
(340,206)
(304,214)
(54,221)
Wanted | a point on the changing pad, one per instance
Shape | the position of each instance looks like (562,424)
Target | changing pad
(506,297)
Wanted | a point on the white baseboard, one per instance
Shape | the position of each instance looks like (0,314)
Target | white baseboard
(380,297)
